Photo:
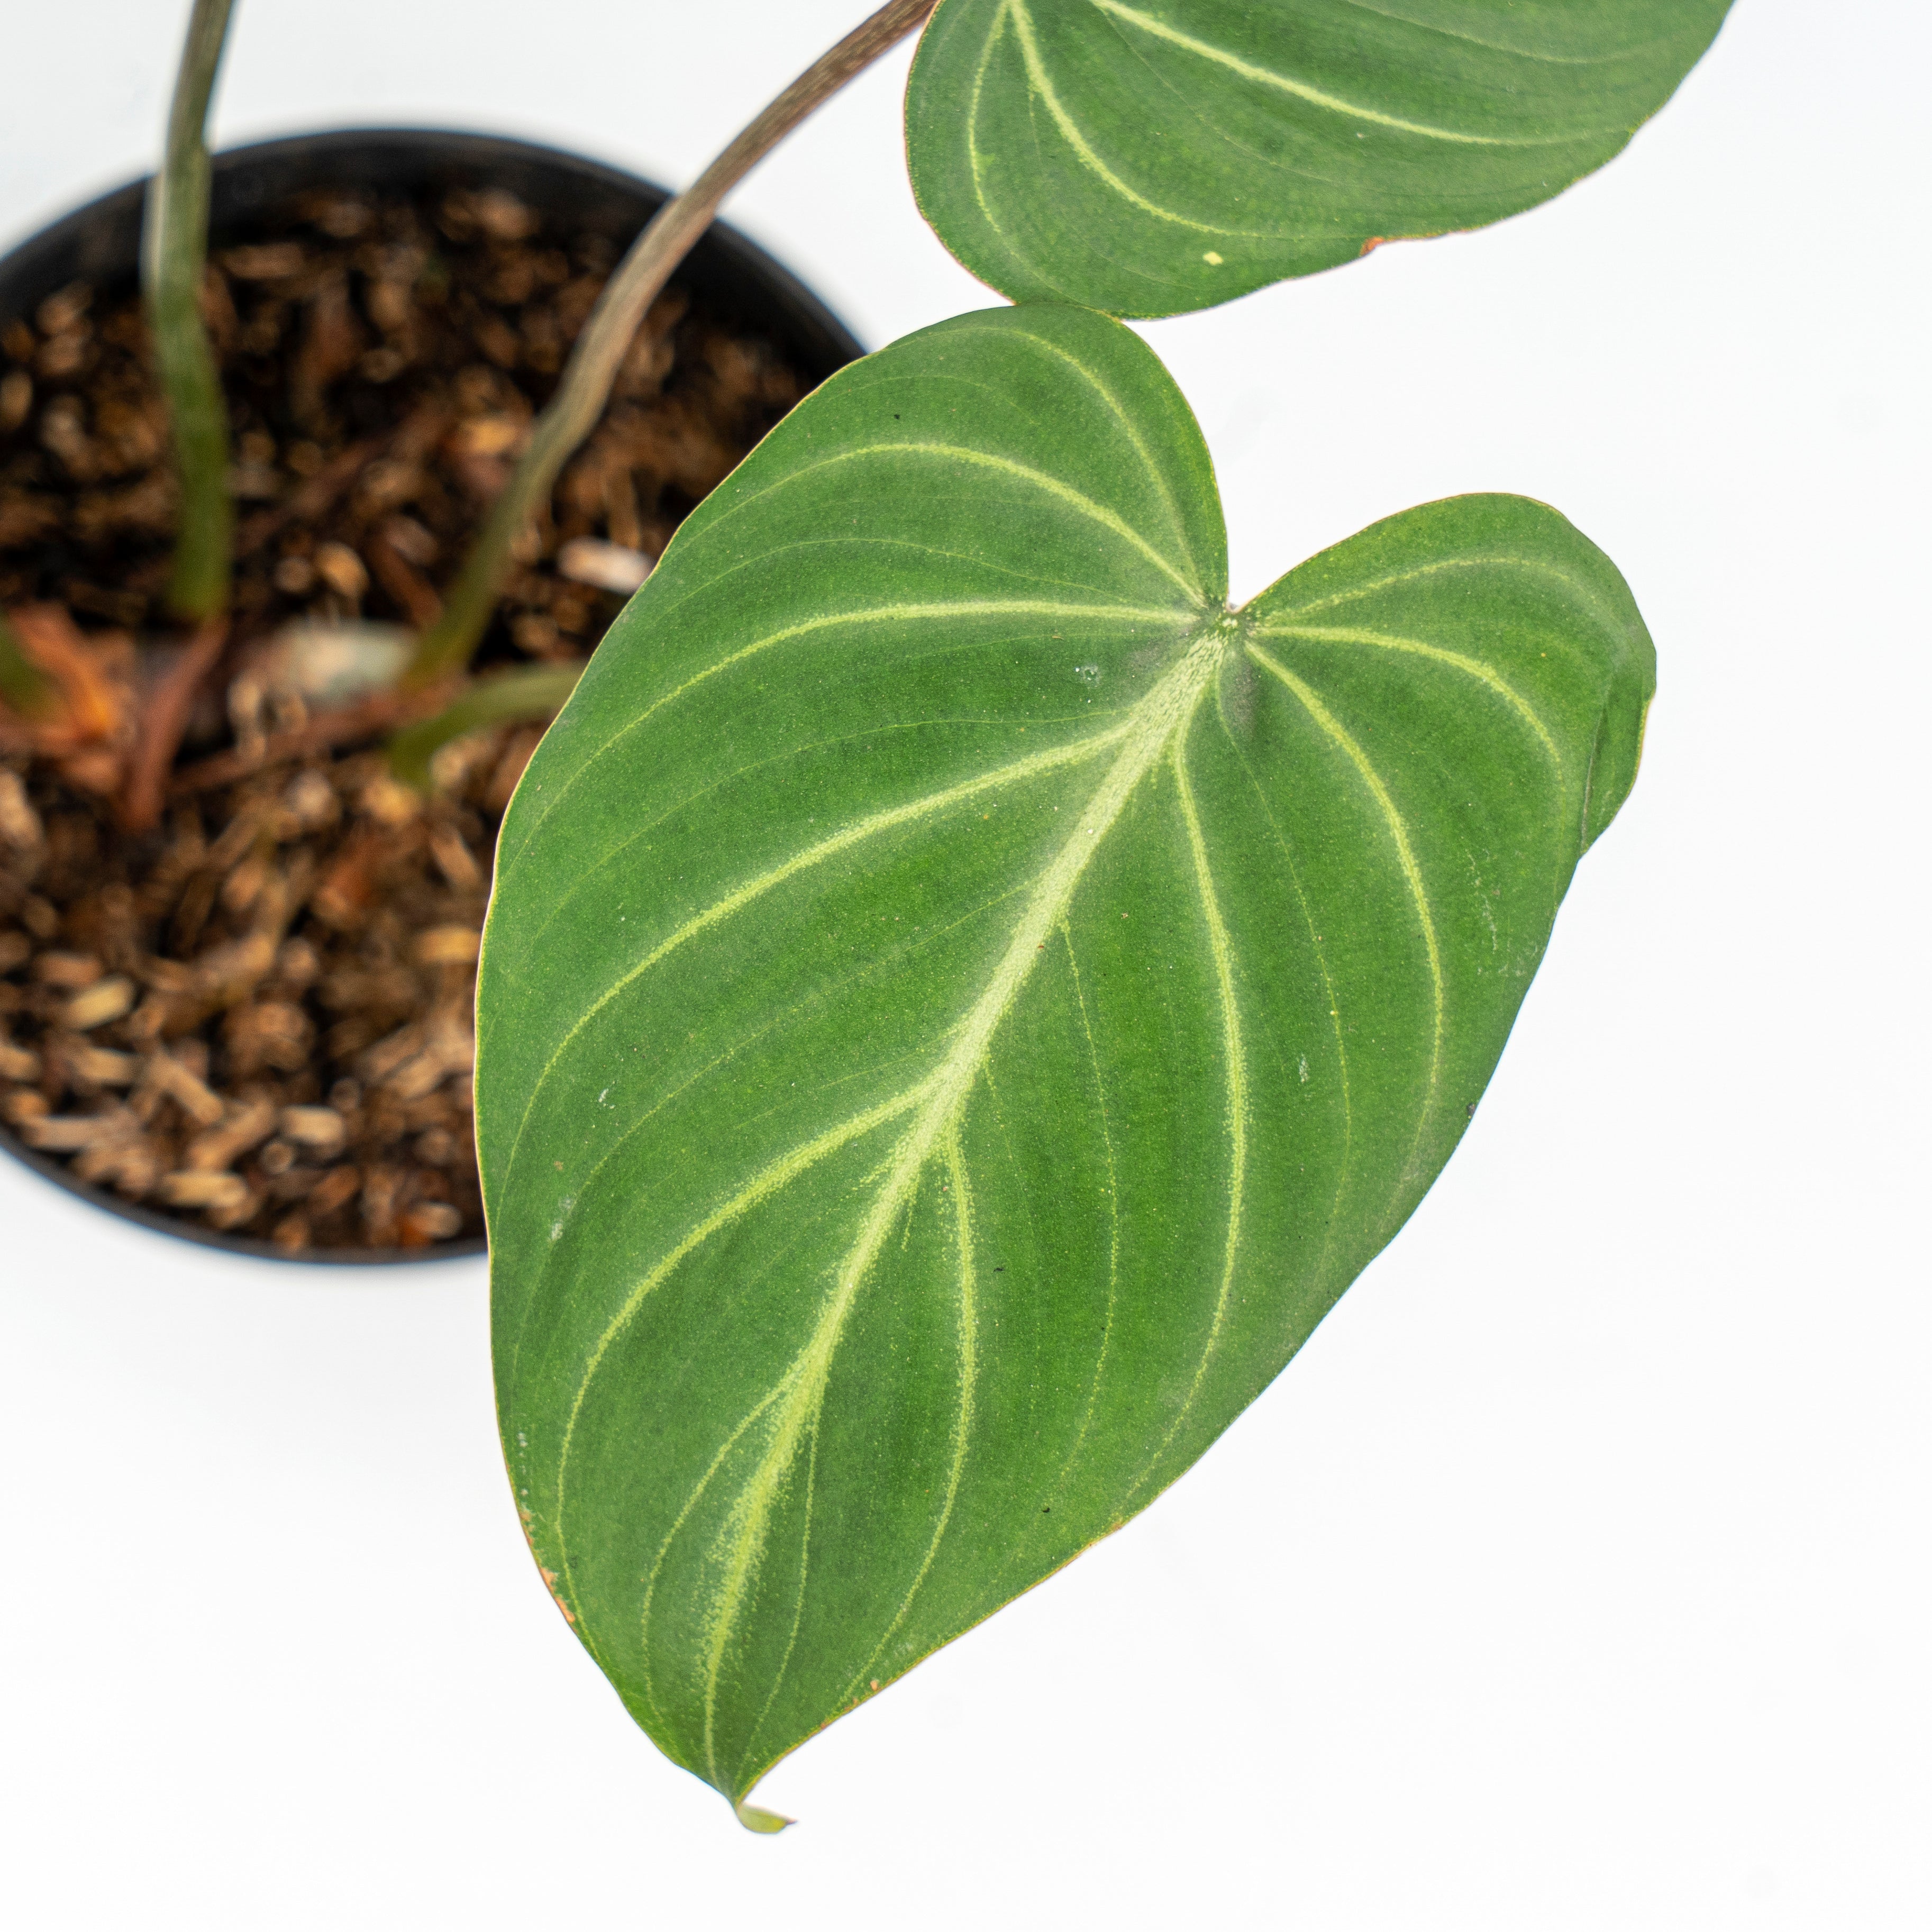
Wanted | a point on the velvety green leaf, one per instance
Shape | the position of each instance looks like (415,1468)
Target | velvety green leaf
(960,1003)
(1147,157)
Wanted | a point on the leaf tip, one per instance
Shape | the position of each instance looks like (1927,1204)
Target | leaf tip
(754,1818)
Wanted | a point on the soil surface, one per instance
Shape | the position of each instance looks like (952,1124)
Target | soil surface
(258,1018)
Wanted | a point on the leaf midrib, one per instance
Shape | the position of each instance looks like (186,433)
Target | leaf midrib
(936,1103)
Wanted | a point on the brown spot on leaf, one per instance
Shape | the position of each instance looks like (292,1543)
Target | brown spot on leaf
(556,1596)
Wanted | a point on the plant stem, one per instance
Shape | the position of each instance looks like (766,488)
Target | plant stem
(161,724)
(536,691)
(585,386)
(174,247)
(24,688)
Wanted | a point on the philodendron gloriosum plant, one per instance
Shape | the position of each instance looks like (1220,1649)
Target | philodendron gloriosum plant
(961,1002)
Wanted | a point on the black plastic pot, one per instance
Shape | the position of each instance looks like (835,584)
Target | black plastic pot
(253,187)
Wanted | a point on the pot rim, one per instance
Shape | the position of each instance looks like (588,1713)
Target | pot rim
(138,1212)
(58,252)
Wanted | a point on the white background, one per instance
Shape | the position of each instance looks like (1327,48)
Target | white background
(1575,1576)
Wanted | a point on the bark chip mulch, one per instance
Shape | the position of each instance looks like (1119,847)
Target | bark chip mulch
(258,1018)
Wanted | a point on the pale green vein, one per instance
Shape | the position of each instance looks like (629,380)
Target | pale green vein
(740,1543)
(1040,479)
(827,620)
(671,1535)
(1037,79)
(1534,566)
(1234,1059)
(1470,667)
(1124,418)
(936,1105)
(1113,1216)
(1332,728)
(962,1413)
(768,1179)
(1264,806)
(1156,29)
(1077,500)
(1076,752)
(975,164)
(745,1784)
(1538,55)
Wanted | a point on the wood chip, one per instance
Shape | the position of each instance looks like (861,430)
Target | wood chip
(127,1162)
(490,435)
(107,1000)
(62,311)
(192,1188)
(236,1211)
(389,802)
(320,1128)
(94,1066)
(247,1124)
(445,1045)
(268,1034)
(501,216)
(228,972)
(429,1221)
(453,859)
(20,825)
(412,542)
(334,1190)
(342,570)
(449,946)
(168,976)
(16,400)
(69,971)
(169,1076)
(258,990)
(604,566)
(267,262)
(291,1233)
(380,1187)
(65,1133)
(310,800)
(243,886)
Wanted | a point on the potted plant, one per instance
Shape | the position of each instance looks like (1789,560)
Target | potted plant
(959,1001)
(392,311)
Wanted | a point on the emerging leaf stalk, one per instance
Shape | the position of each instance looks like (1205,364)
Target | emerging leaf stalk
(672,232)
(514,697)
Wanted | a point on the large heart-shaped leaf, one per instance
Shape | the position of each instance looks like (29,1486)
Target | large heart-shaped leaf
(1147,157)
(960,1003)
